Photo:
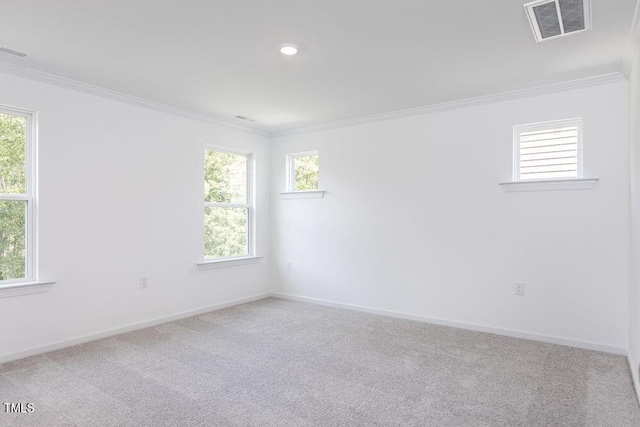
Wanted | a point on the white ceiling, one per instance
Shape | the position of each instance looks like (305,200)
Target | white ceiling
(357,57)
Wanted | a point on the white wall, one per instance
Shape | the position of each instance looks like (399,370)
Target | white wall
(634,286)
(121,197)
(414,220)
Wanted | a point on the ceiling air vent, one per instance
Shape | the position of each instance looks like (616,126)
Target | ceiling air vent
(555,18)
(12,52)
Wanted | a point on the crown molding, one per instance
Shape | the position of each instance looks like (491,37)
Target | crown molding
(453,105)
(41,76)
(633,45)
(56,80)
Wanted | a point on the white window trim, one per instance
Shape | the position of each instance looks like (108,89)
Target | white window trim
(517,130)
(302,194)
(550,185)
(291,174)
(228,262)
(16,289)
(30,283)
(577,183)
(207,263)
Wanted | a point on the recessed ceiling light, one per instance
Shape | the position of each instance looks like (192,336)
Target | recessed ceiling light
(288,49)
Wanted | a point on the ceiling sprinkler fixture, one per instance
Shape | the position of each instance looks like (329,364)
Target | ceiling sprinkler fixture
(288,49)
(245,118)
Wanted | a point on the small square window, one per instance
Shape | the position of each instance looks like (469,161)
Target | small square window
(547,151)
(303,171)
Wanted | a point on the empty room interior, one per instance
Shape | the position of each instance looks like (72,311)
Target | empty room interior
(320,213)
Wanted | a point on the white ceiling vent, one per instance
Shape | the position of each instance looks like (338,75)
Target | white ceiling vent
(12,52)
(556,18)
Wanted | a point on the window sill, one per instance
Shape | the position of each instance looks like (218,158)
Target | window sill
(550,185)
(24,288)
(231,262)
(310,194)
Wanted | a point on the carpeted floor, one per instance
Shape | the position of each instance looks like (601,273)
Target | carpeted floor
(277,362)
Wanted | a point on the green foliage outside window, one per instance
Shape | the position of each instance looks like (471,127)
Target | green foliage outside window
(12,181)
(225,227)
(225,177)
(306,172)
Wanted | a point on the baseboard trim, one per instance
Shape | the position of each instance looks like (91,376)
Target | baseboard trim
(633,366)
(462,325)
(140,325)
(408,316)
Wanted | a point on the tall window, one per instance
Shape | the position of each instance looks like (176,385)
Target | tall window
(550,150)
(16,196)
(228,204)
(303,171)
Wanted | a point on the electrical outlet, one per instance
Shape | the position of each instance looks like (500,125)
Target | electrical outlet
(520,289)
(289,266)
(144,282)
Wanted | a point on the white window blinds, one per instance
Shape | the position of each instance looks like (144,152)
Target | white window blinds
(548,153)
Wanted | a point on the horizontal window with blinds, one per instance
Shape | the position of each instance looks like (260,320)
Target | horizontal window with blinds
(547,151)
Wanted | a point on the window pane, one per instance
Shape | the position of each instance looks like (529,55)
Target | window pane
(306,172)
(225,177)
(225,232)
(13,239)
(13,137)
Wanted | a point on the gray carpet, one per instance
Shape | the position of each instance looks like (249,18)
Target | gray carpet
(277,362)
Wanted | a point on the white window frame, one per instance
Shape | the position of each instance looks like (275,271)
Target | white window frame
(533,127)
(548,184)
(291,171)
(249,205)
(30,194)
